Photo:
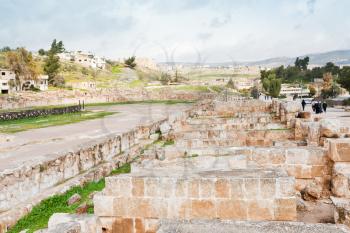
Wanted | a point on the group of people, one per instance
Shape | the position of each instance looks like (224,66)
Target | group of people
(317,106)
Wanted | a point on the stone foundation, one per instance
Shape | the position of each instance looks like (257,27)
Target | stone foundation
(237,194)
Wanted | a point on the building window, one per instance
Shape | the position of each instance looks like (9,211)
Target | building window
(3,73)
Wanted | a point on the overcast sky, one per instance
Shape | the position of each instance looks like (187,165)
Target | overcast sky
(179,30)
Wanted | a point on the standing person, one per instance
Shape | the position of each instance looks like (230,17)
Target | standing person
(324,106)
(313,105)
(303,103)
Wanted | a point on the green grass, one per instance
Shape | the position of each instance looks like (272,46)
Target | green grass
(168,143)
(193,88)
(13,126)
(169,102)
(40,214)
(116,69)
(126,168)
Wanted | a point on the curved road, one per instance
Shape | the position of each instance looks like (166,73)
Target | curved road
(36,145)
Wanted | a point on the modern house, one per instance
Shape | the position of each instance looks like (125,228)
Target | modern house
(85,59)
(7,81)
(291,90)
(41,83)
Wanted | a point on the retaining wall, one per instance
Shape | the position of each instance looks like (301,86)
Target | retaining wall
(23,184)
(38,112)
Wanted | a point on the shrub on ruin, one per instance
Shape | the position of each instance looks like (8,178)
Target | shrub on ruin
(58,81)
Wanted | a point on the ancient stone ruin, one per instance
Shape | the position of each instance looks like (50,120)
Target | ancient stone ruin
(238,166)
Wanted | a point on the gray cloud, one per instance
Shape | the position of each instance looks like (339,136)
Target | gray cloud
(311,6)
(220,21)
(204,36)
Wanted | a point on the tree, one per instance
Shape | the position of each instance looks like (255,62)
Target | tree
(6,49)
(165,79)
(130,62)
(330,67)
(22,63)
(272,85)
(230,84)
(344,77)
(302,64)
(254,92)
(57,47)
(329,87)
(312,90)
(51,66)
(42,52)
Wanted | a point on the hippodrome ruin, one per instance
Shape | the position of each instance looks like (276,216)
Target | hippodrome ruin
(225,165)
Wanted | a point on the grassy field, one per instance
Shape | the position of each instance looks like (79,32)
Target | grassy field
(13,126)
(39,216)
(169,102)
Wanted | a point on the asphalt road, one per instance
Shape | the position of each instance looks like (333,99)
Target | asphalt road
(36,145)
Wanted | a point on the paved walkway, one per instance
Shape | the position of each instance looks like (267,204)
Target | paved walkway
(47,143)
(333,113)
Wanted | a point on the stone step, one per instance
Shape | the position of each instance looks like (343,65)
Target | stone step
(226,127)
(172,194)
(209,226)
(341,210)
(228,120)
(232,138)
(341,179)
(301,163)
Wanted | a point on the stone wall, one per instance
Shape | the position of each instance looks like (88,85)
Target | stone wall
(24,184)
(69,97)
(197,195)
(38,112)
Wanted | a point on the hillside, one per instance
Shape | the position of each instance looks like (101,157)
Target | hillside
(339,57)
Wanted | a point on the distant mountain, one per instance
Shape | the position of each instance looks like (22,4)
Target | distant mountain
(339,57)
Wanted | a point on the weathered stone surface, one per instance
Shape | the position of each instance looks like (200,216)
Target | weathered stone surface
(304,115)
(339,149)
(83,223)
(341,179)
(67,227)
(74,199)
(82,209)
(204,226)
(311,192)
(341,210)
(330,128)
(202,194)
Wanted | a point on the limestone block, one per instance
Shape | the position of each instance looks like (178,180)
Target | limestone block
(74,199)
(313,136)
(67,227)
(231,226)
(341,179)
(341,210)
(339,149)
(330,128)
(165,128)
(82,223)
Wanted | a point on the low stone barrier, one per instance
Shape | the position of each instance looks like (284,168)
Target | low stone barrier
(23,184)
(170,194)
(4,116)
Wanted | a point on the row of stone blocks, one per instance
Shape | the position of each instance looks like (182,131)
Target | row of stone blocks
(240,194)
(234,138)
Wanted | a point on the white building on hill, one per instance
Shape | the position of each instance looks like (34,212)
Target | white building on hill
(7,81)
(291,90)
(85,59)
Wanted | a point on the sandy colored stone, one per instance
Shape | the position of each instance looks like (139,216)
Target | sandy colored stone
(232,209)
(339,150)
(222,188)
(138,187)
(203,209)
(260,210)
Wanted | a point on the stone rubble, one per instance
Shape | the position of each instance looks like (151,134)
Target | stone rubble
(236,166)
